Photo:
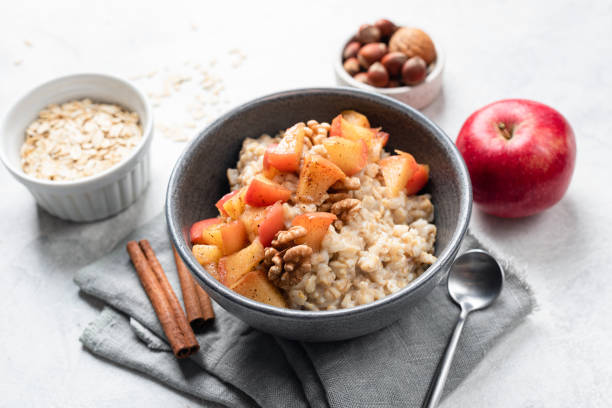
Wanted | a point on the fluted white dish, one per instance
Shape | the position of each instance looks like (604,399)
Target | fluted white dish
(91,198)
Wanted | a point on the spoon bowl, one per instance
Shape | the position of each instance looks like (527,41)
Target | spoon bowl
(475,280)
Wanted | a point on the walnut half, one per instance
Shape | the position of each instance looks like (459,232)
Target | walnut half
(288,267)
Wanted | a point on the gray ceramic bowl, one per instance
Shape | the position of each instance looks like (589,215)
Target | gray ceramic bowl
(199,179)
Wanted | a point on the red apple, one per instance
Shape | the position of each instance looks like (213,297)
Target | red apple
(520,155)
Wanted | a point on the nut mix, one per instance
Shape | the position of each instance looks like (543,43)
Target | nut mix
(386,56)
(78,139)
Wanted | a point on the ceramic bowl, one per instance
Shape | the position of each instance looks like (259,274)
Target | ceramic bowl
(199,179)
(417,96)
(90,198)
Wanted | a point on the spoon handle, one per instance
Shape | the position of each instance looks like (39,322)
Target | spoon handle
(437,385)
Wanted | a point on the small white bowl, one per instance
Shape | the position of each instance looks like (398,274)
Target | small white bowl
(90,198)
(418,96)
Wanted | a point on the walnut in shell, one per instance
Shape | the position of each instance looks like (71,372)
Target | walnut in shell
(413,42)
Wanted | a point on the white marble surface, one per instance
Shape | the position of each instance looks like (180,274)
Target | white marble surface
(555,52)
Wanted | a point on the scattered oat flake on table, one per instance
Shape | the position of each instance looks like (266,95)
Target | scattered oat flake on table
(189,94)
(78,139)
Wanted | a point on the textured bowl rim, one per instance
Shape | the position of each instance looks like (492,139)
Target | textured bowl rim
(398,90)
(465,203)
(147,133)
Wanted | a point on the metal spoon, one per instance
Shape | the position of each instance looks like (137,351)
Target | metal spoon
(474,282)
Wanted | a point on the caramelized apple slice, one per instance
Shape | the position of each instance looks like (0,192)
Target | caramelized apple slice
(317,175)
(269,172)
(342,128)
(419,177)
(256,286)
(350,155)
(286,155)
(263,192)
(317,225)
(212,236)
(252,217)
(396,171)
(234,206)
(273,222)
(234,237)
(195,233)
(206,254)
(223,200)
(356,118)
(233,267)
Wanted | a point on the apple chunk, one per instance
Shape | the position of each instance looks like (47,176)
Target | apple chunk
(195,233)
(356,118)
(234,237)
(274,221)
(206,254)
(418,180)
(256,286)
(317,225)
(286,155)
(252,217)
(234,206)
(350,155)
(223,200)
(396,171)
(419,177)
(343,128)
(263,192)
(269,171)
(233,267)
(317,175)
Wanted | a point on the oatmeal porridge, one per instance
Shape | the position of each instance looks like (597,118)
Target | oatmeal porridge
(320,217)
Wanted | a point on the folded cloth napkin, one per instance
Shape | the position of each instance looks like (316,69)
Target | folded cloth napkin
(240,366)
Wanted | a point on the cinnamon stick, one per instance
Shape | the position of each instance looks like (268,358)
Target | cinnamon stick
(197,303)
(162,297)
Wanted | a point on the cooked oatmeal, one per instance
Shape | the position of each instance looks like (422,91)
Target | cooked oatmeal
(378,243)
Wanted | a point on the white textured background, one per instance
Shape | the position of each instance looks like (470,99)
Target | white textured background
(559,53)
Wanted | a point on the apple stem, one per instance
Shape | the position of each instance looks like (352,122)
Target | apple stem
(505,132)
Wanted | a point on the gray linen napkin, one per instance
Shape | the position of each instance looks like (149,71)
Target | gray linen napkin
(240,366)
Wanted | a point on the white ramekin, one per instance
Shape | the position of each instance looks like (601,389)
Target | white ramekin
(418,96)
(98,196)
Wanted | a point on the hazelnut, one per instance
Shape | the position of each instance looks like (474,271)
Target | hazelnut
(393,62)
(362,77)
(413,42)
(370,53)
(351,66)
(368,34)
(378,75)
(414,71)
(351,50)
(386,27)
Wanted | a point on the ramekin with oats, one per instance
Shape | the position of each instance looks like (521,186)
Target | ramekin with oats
(80,144)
